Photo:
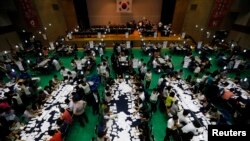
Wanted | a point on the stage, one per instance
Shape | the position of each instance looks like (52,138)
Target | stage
(135,37)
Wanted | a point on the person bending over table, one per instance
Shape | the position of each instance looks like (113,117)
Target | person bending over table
(102,131)
(154,99)
(65,115)
(63,126)
(172,128)
(79,111)
(56,135)
(29,113)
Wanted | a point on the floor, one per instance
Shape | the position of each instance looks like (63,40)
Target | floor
(159,120)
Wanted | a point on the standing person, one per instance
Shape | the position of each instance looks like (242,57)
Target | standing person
(101,52)
(154,99)
(140,63)
(95,102)
(169,102)
(173,125)
(87,92)
(79,110)
(148,78)
(143,70)
(56,64)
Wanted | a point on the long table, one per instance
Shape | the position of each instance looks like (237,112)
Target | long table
(37,128)
(123,127)
(184,95)
(238,91)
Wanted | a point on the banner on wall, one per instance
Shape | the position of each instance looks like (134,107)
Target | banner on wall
(29,12)
(219,11)
(124,6)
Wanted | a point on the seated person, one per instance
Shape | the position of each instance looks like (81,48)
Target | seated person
(104,138)
(108,114)
(41,98)
(63,126)
(226,94)
(29,113)
(108,97)
(65,115)
(48,90)
(10,115)
(55,135)
(55,80)
(15,129)
(193,127)
(52,85)
(101,129)
(214,116)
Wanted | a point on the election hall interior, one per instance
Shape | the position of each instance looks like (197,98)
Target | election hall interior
(124,70)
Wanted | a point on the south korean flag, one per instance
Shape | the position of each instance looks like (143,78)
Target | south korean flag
(124,6)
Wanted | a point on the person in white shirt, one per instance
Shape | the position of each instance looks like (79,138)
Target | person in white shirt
(71,74)
(193,127)
(155,64)
(56,64)
(169,64)
(55,80)
(28,113)
(64,72)
(87,92)
(17,103)
(140,63)
(101,51)
(197,70)
(143,70)
(174,109)
(26,89)
(172,126)
(19,65)
(141,94)
(95,104)
(153,99)
(108,97)
(79,111)
(18,88)
(148,78)
(161,80)
(86,88)
(183,117)
(103,67)
(118,49)
(166,57)
(78,64)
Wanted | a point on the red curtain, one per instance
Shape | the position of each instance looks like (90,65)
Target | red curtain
(219,11)
(29,13)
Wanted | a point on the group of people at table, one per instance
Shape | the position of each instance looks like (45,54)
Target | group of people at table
(188,105)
